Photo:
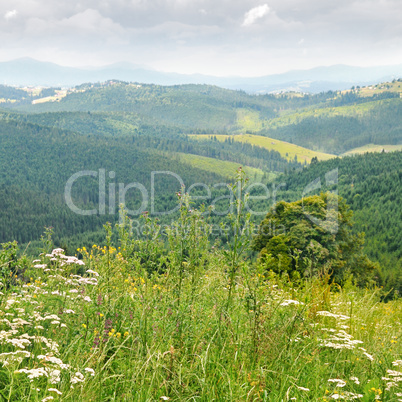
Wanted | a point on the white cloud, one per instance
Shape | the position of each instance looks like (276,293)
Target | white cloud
(10,14)
(254,14)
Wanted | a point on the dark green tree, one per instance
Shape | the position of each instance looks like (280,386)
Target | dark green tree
(313,236)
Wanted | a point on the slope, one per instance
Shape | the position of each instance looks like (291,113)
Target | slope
(286,149)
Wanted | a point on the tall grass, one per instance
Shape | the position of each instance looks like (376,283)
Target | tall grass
(138,320)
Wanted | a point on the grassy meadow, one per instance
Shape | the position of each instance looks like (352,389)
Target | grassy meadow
(286,149)
(225,168)
(373,148)
(142,319)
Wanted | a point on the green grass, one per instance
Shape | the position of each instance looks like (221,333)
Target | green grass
(130,325)
(373,148)
(249,120)
(286,149)
(224,168)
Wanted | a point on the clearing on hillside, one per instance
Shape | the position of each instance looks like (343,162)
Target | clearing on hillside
(224,168)
(286,149)
(373,148)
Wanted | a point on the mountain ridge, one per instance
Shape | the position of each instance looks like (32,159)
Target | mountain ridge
(32,72)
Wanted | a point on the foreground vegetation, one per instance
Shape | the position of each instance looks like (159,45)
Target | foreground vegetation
(141,319)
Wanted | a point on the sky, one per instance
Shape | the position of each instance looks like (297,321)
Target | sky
(215,37)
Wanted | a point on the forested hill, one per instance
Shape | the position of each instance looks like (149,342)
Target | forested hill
(372,186)
(332,122)
(36,163)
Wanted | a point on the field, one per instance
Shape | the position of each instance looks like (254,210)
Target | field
(372,90)
(56,98)
(373,148)
(287,150)
(129,323)
(224,168)
(249,120)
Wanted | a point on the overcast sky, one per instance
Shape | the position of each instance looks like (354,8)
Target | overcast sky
(217,37)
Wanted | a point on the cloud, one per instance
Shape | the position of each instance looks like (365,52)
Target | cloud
(223,37)
(10,14)
(254,14)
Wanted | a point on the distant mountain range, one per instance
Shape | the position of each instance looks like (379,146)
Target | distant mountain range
(30,72)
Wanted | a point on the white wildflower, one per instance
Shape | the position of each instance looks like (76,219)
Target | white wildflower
(34,373)
(371,358)
(54,360)
(88,281)
(55,390)
(54,376)
(77,377)
(339,383)
(394,373)
(290,302)
(90,271)
(302,388)
(329,314)
(91,371)
(57,251)
(52,317)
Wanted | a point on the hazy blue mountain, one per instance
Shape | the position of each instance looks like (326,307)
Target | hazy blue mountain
(26,71)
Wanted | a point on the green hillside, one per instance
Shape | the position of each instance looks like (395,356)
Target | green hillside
(332,122)
(36,163)
(339,129)
(225,168)
(373,148)
(287,150)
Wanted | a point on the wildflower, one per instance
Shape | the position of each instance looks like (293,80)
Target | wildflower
(290,302)
(84,326)
(371,358)
(125,334)
(118,334)
(339,383)
(55,390)
(48,398)
(33,373)
(394,373)
(54,376)
(89,370)
(302,388)
(77,377)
